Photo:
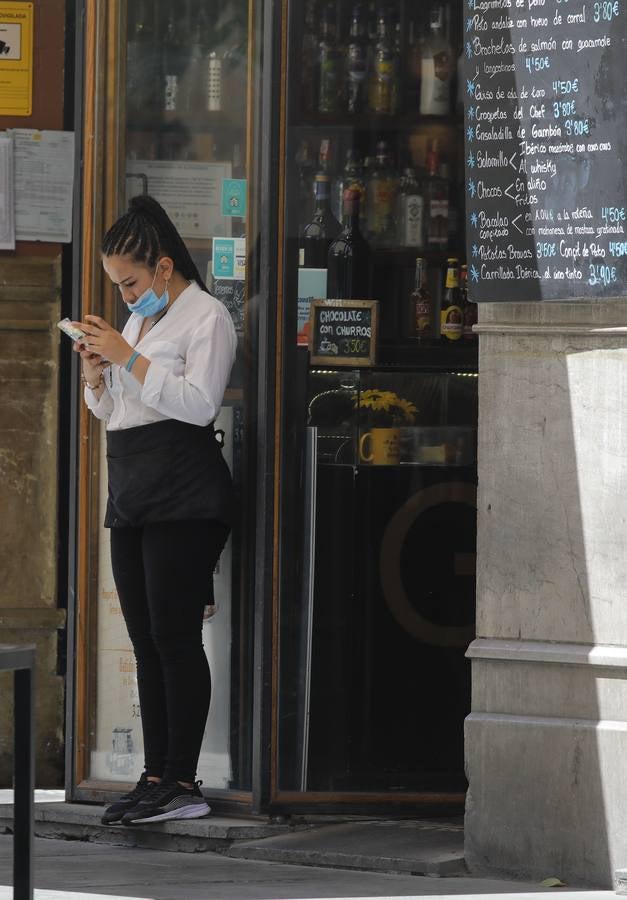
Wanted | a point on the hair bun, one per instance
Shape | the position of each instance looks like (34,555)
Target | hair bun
(146,205)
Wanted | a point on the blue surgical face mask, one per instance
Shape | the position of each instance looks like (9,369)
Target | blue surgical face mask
(149,304)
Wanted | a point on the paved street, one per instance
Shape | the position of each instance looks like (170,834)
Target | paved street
(75,870)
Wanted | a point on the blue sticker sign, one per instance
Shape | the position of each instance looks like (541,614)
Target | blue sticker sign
(234,197)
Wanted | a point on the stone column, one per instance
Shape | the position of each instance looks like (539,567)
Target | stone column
(546,742)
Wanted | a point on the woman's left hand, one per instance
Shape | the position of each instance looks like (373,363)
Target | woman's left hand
(101,338)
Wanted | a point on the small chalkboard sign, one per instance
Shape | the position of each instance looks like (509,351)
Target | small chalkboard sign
(343,332)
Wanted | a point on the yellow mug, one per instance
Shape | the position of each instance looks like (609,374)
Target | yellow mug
(384,446)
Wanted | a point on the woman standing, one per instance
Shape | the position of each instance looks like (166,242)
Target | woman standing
(159,386)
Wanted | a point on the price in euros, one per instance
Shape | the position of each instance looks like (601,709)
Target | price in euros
(537,63)
(566,87)
(600,274)
(576,126)
(353,347)
(606,10)
(563,108)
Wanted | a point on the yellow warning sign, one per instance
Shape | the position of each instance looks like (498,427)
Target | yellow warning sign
(16,59)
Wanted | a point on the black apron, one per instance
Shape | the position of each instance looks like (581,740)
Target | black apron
(166,471)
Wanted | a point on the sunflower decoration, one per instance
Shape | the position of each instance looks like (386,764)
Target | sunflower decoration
(385,408)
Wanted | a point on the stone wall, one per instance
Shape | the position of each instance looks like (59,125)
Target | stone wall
(546,742)
(29,343)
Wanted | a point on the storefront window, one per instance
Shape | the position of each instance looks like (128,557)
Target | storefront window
(379,521)
(184,136)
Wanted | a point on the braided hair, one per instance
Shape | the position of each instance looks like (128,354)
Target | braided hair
(147,233)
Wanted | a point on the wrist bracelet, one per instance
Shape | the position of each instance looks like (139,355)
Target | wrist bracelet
(93,387)
(131,360)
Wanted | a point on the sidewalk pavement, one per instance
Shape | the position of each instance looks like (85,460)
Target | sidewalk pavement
(74,870)
(247,860)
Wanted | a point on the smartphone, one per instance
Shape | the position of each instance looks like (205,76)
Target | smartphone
(71,330)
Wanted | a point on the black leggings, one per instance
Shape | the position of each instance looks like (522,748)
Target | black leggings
(163,574)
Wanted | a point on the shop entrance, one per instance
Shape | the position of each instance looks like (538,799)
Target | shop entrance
(379,457)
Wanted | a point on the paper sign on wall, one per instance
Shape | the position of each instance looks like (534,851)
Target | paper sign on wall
(44,184)
(190,192)
(16,59)
(229,258)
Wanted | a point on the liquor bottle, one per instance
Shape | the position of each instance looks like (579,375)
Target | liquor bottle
(309,58)
(191,89)
(357,61)
(398,68)
(305,166)
(381,86)
(326,157)
(381,189)
(451,317)
(419,319)
(469,310)
(351,178)
(410,214)
(349,256)
(173,65)
(142,61)
(213,81)
(329,64)
(321,230)
(413,63)
(436,193)
(437,68)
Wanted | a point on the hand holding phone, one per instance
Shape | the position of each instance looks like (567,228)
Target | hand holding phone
(72,331)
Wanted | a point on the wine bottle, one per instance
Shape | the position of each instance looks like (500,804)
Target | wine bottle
(419,318)
(321,230)
(349,256)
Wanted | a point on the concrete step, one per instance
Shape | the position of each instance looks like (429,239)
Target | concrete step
(397,846)
(81,822)
(404,846)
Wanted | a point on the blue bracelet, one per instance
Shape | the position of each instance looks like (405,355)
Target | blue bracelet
(131,361)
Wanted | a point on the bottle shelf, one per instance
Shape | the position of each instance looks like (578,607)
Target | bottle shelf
(401,122)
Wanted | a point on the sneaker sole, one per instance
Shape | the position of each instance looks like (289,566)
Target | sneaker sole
(185,812)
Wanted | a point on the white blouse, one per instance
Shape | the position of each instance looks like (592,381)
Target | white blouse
(191,351)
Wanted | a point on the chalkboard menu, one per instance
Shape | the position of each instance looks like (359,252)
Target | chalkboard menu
(343,332)
(545,127)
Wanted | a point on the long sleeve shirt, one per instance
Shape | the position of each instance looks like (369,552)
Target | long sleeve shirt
(191,351)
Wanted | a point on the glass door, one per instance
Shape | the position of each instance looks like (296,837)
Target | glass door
(171,114)
(378,518)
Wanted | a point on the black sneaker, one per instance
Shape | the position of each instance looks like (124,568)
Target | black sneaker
(169,801)
(115,812)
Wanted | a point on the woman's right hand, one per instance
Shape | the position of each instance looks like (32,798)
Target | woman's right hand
(92,363)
